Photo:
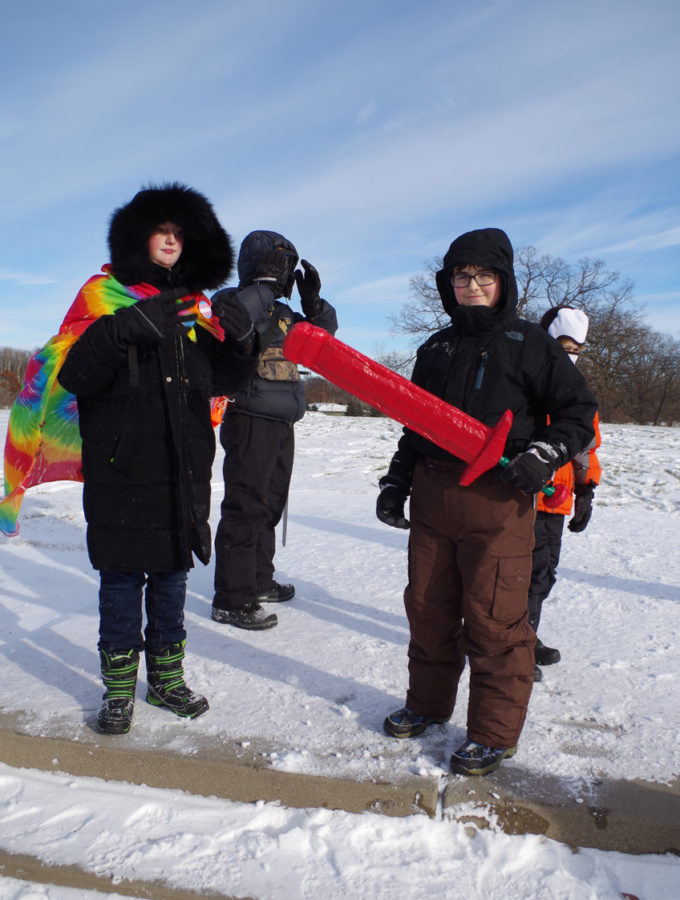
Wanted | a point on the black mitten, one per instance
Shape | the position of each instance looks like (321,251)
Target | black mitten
(531,470)
(149,321)
(237,324)
(583,507)
(309,288)
(389,507)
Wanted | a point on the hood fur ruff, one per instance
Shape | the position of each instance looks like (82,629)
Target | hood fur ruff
(207,256)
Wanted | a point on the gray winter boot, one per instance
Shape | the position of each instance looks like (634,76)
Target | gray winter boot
(119,674)
(167,687)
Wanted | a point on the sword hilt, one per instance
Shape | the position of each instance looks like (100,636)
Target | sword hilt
(554,495)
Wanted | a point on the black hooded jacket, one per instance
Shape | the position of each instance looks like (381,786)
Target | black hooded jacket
(488,360)
(144,409)
(275,390)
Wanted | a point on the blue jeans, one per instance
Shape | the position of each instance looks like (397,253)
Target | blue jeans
(120,610)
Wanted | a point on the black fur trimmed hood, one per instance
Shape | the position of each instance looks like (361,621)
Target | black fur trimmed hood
(207,256)
(487,247)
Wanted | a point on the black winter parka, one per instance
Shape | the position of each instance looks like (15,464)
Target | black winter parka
(148,448)
(488,360)
(520,368)
(283,401)
(280,400)
(144,408)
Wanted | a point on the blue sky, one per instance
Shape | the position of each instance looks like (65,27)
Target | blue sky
(369,133)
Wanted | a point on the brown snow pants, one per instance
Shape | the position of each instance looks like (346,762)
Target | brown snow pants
(469,572)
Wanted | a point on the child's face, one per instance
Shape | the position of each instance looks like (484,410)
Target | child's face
(165,244)
(570,344)
(477,294)
(572,348)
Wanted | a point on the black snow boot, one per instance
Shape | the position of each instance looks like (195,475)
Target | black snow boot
(404,723)
(472,758)
(251,617)
(119,674)
(165,677)
(546,656)
(277,593)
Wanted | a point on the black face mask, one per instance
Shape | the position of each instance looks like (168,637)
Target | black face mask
(479,320)
(287,287)
(474,320)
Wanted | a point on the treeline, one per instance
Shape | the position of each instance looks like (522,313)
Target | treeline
(633,370)
(12,370)
(318,390)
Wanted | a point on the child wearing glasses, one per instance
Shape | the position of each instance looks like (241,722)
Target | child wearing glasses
(469,555)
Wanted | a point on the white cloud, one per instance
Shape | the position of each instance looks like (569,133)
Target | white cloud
(25,278)
(391,292)
(659,240)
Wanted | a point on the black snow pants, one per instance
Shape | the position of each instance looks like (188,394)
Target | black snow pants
(258,464)
(546,556)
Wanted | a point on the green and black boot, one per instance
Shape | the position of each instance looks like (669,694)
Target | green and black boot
(119,673)
(167,686)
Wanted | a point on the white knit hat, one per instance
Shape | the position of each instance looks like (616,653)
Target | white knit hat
(571,323)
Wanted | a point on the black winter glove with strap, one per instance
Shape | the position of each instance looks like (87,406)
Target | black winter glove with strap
(236,323)
(532,469)
(390,505)
(309,288)
(149,321)
(583,507)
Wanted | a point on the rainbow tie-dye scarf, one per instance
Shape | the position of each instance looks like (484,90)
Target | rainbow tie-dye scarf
(43,439)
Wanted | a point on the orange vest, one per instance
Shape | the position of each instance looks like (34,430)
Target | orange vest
(584,468)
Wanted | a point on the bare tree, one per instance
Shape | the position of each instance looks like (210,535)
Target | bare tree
(540,281)
(544,281)
(635,374)
(397,360)
(422,314)
(633,371)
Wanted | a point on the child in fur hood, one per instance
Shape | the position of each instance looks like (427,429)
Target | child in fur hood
(580,475)
(143,371)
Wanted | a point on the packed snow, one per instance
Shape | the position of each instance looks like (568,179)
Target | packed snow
(315,690)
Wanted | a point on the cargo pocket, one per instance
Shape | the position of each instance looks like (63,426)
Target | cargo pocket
(513,575)
(274,366)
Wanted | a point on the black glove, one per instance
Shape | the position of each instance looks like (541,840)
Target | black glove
(275,270)
(237,324)
(583,507)
(149,321)
(309,287)
(531,470)
(389,507)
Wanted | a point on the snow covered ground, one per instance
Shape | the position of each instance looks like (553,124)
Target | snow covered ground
(317,688)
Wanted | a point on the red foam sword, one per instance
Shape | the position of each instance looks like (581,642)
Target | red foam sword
(462,435)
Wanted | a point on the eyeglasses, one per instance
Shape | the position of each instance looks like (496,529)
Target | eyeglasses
(483,279)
